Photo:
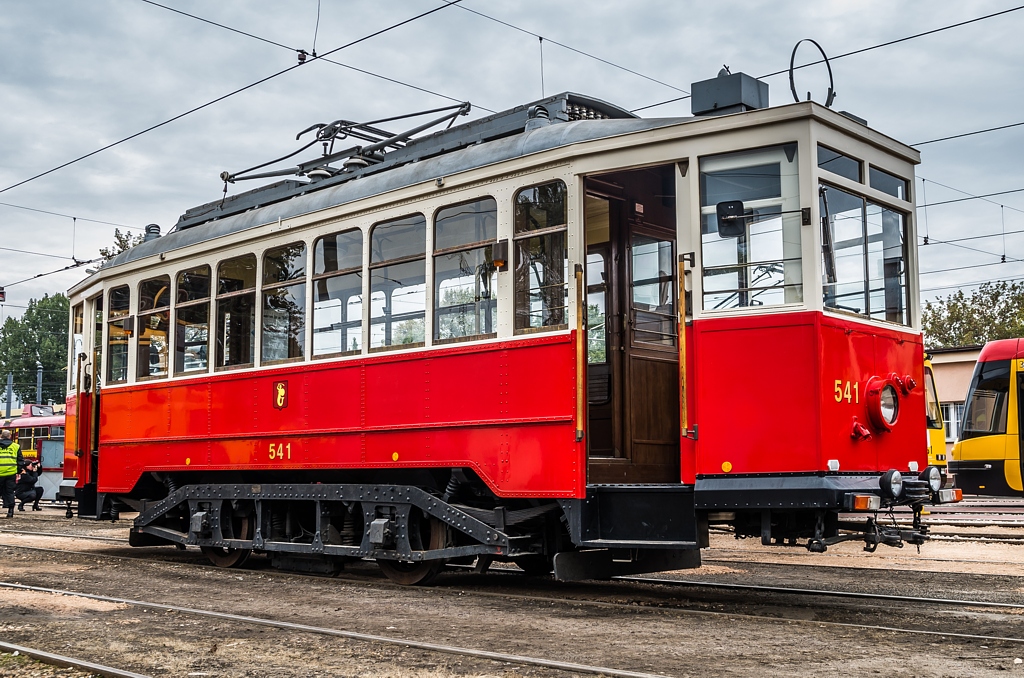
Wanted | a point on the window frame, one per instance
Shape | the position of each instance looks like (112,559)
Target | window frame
(215,320)
(209,301)
(315,277)
(265,287)
(456,249)
(110,319)
(140,326)
(372,266)
(525,235)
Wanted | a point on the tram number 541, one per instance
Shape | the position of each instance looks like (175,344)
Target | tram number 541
(280,451)
(848,391)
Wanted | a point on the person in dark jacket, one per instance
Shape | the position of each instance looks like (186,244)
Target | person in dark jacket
(11,461)
(27,490)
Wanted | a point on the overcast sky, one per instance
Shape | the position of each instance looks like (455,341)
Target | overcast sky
(75,76)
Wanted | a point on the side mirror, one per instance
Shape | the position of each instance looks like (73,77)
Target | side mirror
(731,219)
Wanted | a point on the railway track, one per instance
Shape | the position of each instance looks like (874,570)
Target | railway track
(349,577)
(69,662)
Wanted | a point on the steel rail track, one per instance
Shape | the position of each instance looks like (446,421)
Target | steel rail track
(822,592)
(350,635)
(70,662)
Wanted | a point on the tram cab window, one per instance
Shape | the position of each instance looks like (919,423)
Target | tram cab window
(889,183)
(762,266)
(118,308)
(77,346)
(154,323)
(283,334)
(236,311)
(398,290)
(541,257)
(838,163)
(864,256)
(192,321)
(465,277)
(987,400)
(338,293)
(597,290)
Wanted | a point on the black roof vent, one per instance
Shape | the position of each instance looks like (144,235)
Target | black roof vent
(728,93)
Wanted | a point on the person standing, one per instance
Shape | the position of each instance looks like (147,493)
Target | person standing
(27,491)
(10,462)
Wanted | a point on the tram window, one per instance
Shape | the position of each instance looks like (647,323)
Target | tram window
(236,311)
(283,334)
(97,338)
(840,164)
(987,400)
(398,290)
(465,278)
(77,345)
(338,293)
(154,324)
(597,288)
(653,290)
(891,184)
(192,321)
(119,302)
(864,257)
(541,257)
(762,266)
(932,411)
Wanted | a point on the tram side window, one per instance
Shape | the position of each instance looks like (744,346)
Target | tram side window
(864,256)
(283,334)
(541,257)
(97,342)
(118,305)
(338,293)
(987,400)
(77,346)
(761,266)
(236,311)
(154,323)
(465,278)
(192,321)
(398,290)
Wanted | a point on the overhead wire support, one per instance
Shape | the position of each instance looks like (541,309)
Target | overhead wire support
(448,3)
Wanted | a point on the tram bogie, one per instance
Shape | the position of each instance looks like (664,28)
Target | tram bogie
(561,336)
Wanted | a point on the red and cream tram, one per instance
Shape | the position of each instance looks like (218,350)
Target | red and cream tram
(39,432)
(560,335)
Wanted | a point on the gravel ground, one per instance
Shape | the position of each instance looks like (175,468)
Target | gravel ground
(634,627)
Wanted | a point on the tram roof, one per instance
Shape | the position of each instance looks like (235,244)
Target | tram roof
(458,149)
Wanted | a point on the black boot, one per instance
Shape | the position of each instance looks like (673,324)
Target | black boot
(10,511)
(21,506)
(35,507)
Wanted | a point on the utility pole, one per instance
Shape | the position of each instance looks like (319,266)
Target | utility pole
(39,382)
(10,393)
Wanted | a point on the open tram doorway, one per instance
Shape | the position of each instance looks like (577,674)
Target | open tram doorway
(633,353)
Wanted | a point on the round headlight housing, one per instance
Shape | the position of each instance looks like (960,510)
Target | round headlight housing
(883,402)
(933,476)
(891,484)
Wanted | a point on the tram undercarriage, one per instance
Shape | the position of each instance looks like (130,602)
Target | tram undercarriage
(413,533)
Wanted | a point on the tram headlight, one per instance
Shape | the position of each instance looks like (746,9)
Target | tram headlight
(933,476)
(889,404)
(891,483)
(883,401)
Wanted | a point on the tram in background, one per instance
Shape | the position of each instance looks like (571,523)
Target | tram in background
(986,457)
(560,335)
(39,431)
(936,426)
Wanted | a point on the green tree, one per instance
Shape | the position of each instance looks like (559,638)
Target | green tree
(122,242)
(41,334)
(993,311)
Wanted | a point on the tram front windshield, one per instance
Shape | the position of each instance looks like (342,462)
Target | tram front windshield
(987,400)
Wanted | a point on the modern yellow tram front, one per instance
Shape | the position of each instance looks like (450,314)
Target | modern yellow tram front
(986,458)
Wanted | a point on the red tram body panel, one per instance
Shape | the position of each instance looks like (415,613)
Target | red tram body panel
(387,411)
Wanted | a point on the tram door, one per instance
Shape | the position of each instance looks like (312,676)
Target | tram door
(633,356)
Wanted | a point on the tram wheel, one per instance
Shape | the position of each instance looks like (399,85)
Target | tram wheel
(425,533)
(225,557)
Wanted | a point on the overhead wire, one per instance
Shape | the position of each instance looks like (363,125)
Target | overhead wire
(858,51)
(68,216)
(38,254)
(448,3)
(968,134)
(565,46)
(314,54)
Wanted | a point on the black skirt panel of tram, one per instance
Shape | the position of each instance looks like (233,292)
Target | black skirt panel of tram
(982,477)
